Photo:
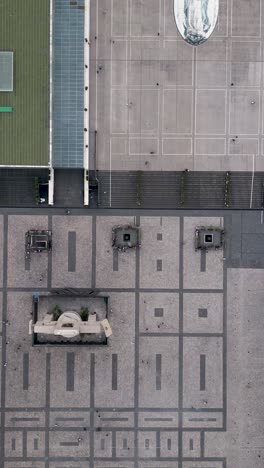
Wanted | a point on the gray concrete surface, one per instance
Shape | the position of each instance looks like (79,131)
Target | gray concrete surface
(180,383)
(159,104)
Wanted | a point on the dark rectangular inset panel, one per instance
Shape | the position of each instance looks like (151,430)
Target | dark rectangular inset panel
(203,261)
(72,251)
(69,444)
(202,313)
(114,371)
(159,236)
(159,265)
(191,444)
(202,371)
(70,372)
(115,260)
(27,264)
(35,444)
(13,444)
(159,311)
(158,371)
(25,371)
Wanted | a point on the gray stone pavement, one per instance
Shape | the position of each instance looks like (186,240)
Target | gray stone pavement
(180,382)
(159,104)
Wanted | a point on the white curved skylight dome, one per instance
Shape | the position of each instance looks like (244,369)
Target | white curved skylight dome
(196,19)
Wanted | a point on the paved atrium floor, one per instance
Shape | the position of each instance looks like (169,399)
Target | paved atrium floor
(180,384)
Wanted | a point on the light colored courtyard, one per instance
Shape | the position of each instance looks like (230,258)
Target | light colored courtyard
(182,368)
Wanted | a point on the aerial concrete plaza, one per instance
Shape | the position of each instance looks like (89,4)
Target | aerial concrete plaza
(180,383)
(159,104)
(128,134)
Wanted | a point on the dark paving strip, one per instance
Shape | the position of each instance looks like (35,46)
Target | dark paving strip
(158,371)
(24,444)
(49,278)
(70,366)
(169,444)
(85,212)
(92,390)
(69,419)
(159,265)
(200,334)
(93,252)
(159,419)
(136,382)
(40,428)
(114,371)
(25,371)
(13,444)
(4,335)
(27,264)
(47,409)
(108,409)
(42,408)
(203,261)
(180,362)
(69,444)
(115,260)
(24,419)
(191,444)
(114,419)
(114,444)
(72,251)
(36,444)
(202,372)
(225,339)
(158,444)
(202,419)
(141,290)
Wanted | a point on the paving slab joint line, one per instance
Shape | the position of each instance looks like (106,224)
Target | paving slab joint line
(47,410)
(136,382)
(180,397)
(92,409)
(4,357)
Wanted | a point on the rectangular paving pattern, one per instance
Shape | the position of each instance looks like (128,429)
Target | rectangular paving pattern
(158,104)
(156,396)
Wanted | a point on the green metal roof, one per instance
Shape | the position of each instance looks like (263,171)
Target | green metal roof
(24,133)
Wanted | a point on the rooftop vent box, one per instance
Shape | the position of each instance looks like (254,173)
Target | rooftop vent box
(208,238)
(125,237)
(37,241)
